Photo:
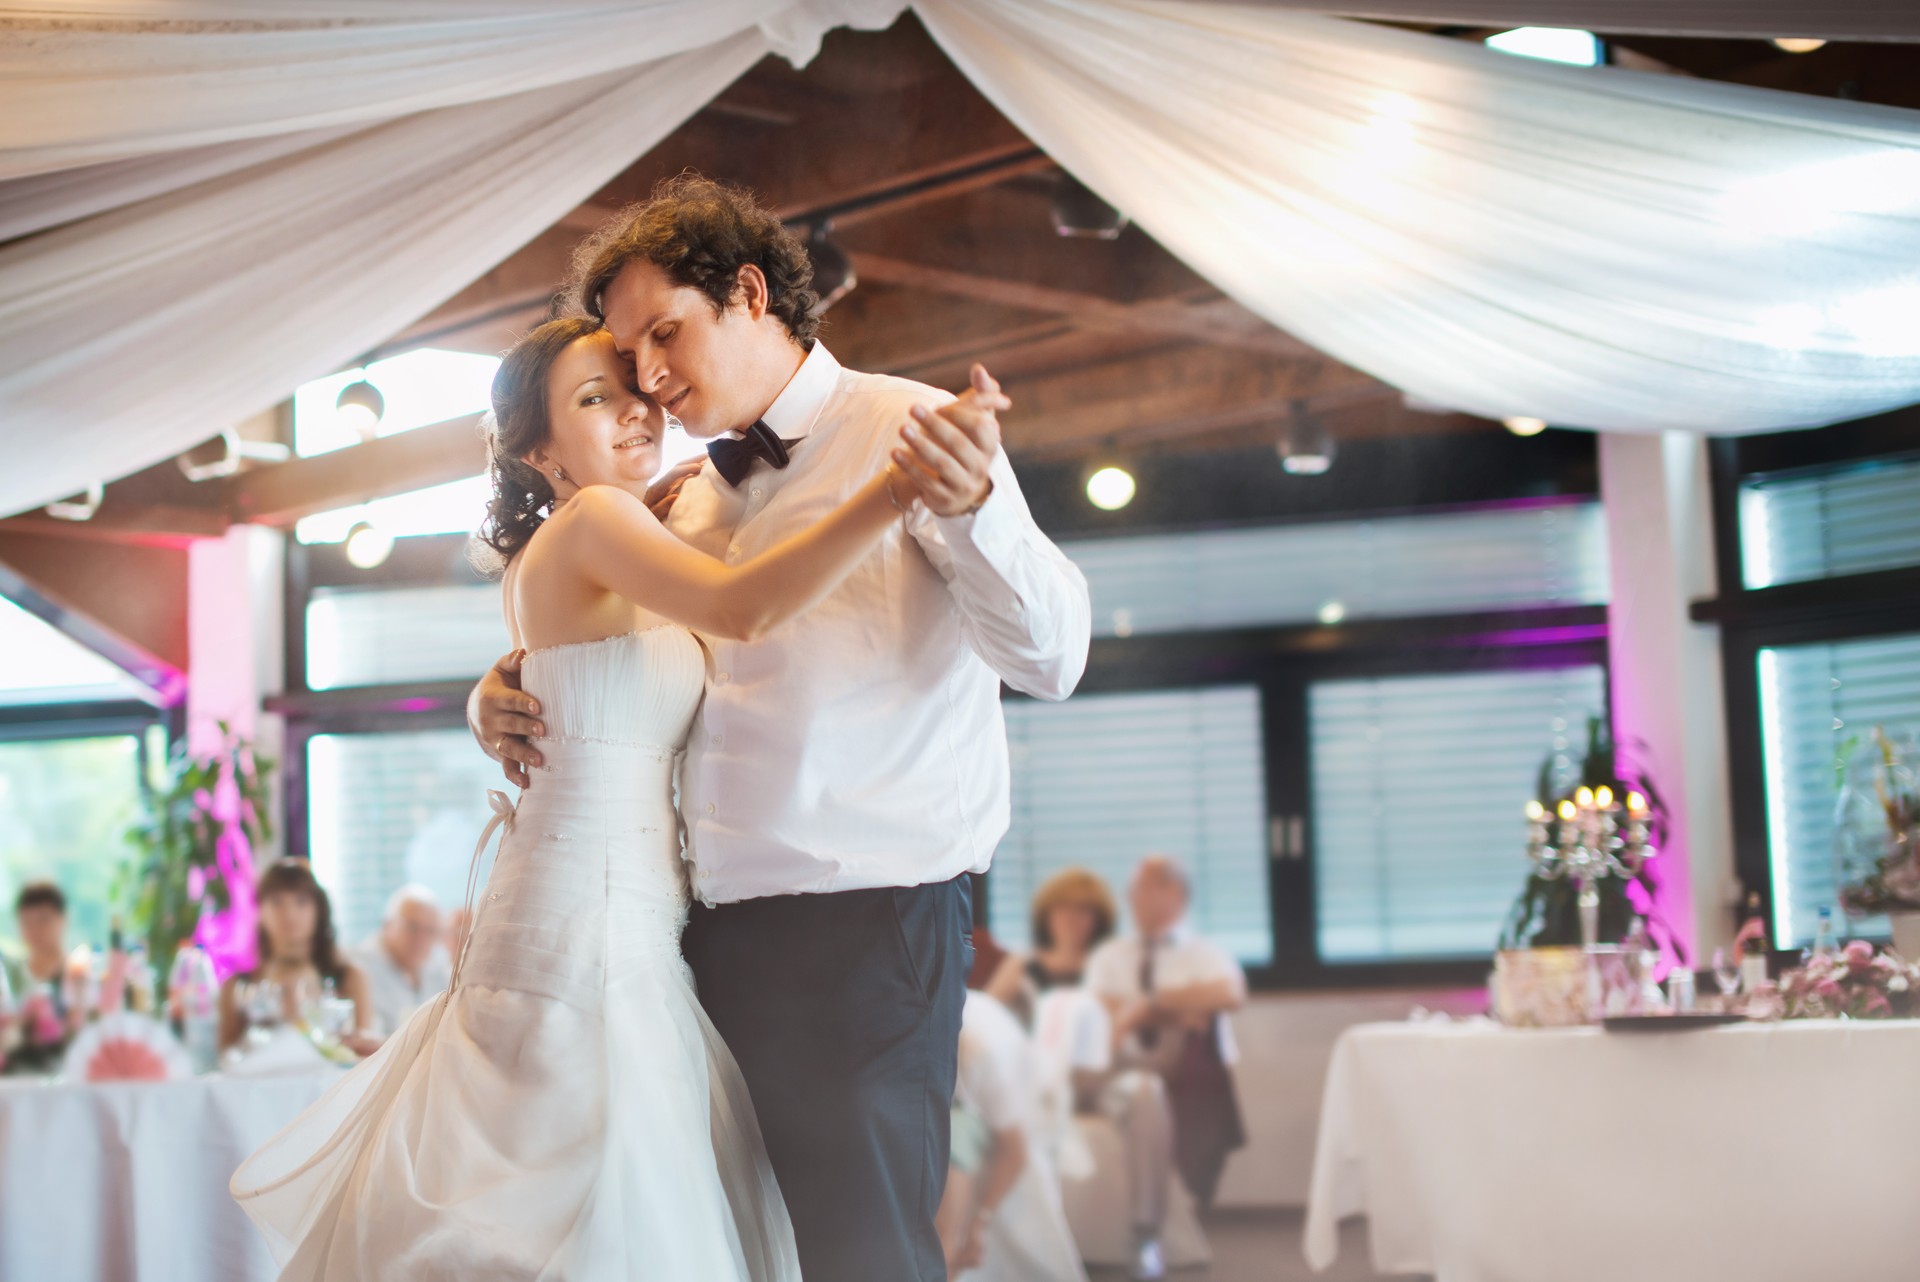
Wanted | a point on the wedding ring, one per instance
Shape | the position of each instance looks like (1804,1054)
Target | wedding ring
(500,747)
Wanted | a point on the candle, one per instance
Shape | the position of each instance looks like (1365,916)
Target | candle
(1566,810)
(1536,812)
(1603,797)
(1583,799)
(1636,805)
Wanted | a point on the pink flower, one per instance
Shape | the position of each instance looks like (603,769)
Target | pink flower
(196,883)
(1859,955)
(1826,989)
(43,1026)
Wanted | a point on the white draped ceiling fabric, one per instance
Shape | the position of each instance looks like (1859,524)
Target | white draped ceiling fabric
(211,201)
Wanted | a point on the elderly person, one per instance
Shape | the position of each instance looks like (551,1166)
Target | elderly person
(405,964)
(1170,992)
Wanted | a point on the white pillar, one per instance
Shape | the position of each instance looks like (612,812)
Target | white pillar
(236,643)
(1669,710)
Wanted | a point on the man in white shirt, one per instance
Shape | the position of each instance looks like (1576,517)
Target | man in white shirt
(848,771)
(405,964)
(1170,992)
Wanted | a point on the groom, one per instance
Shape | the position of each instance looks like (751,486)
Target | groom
(849,771)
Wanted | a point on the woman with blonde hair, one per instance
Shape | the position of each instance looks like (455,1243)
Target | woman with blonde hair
(1073,912)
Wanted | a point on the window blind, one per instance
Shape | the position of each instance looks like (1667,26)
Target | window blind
(392,808)
(1819,705)
(1419,784)
(380,636)
(1848,520)
(1103,779)
(1447,563)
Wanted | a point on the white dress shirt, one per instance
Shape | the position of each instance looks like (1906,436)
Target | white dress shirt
(861,743)
(395,995)
(1182,958)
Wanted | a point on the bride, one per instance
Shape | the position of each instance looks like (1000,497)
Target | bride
(565,1110)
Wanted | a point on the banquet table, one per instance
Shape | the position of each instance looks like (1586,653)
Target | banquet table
(127,1181)
(1755,1153)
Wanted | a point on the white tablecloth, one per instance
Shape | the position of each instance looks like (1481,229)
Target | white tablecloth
(1756,1153)
(128,1182)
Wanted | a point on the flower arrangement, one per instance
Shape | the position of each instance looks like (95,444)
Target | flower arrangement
(1879,821)
(191,878)
(1853,983)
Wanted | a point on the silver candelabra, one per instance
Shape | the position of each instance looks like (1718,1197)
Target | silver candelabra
(1592,837)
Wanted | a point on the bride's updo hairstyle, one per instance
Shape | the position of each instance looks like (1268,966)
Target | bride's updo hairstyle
(522,495)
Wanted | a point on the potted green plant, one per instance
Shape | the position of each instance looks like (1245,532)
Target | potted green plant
(1877,832)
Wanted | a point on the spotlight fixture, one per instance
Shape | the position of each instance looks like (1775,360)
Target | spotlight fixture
(1110,487)
(226,454)
(81,508)
(359,407)
(1306,445)
(1333,613)
(1525,425)
(1077,212)
(833,275)
(1797,44)
(368,546)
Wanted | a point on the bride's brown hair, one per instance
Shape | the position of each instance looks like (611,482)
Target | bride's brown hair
(522,494)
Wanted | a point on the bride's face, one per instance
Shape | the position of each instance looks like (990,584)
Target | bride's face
(604,432)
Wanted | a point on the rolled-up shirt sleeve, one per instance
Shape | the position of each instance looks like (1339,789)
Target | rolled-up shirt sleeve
(1024,604)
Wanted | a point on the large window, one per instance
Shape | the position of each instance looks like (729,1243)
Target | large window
(1819,537)
(1418,786)
(76,736)
(1104,778)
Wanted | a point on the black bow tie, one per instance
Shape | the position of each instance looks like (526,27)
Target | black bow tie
(734,459)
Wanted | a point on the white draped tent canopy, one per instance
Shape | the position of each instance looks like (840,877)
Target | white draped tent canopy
(208,202)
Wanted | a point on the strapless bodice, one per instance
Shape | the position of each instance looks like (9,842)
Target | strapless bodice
(637,688)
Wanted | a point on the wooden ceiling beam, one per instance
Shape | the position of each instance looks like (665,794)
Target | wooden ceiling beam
(398,464)
(1179,319)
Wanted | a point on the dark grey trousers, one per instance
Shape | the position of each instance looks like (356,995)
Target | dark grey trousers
(844,1013)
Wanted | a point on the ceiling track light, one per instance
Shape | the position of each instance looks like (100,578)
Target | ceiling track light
(1797,44)
(1079,213)
(833,274)
(1110,485)
(360,406)
(226,454)
(368,546)
(1524,425)
(1306,444)
(82,508)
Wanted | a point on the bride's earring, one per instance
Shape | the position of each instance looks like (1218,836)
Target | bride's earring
(559,474)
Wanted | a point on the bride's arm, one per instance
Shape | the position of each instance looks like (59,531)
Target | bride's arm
(621,546)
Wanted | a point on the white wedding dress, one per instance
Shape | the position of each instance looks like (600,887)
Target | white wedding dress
(565,1111)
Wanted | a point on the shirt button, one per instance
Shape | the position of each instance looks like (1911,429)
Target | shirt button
(722,679)
(705,873)
(733,549)
(719,742)
(709,807)
(756,492)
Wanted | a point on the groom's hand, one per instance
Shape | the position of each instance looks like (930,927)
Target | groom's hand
(950,449)
(505,719)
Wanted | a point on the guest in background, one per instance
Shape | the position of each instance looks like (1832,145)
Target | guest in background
(1073,912)
(1170,992)
(406,963)
(299,954)
(40,912)
(1001,1217)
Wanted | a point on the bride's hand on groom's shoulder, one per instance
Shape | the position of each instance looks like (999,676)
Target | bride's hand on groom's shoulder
(948,450)
(505,718)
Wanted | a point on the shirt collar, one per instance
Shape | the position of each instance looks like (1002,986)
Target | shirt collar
(795,411)
(1176,935)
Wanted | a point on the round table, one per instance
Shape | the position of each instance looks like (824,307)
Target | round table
(127,1181)
(1759,1152)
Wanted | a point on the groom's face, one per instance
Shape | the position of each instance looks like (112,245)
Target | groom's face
(692,362)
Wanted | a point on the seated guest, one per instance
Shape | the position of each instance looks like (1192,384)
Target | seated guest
(297,952)
(40,911)
(1001,1218)
(1072,913)
(1170,992)
(405,963)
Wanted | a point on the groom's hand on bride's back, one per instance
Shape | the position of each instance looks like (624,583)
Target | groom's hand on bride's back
(505,719)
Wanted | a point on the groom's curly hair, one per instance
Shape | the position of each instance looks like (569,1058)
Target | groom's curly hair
(701,233)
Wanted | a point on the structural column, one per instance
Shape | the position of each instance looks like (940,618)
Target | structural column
(1669,713)
(236,640)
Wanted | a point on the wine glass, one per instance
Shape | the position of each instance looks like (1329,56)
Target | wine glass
(265,1007)
(1726,975)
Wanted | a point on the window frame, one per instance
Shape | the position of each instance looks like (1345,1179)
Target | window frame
(1843,608)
